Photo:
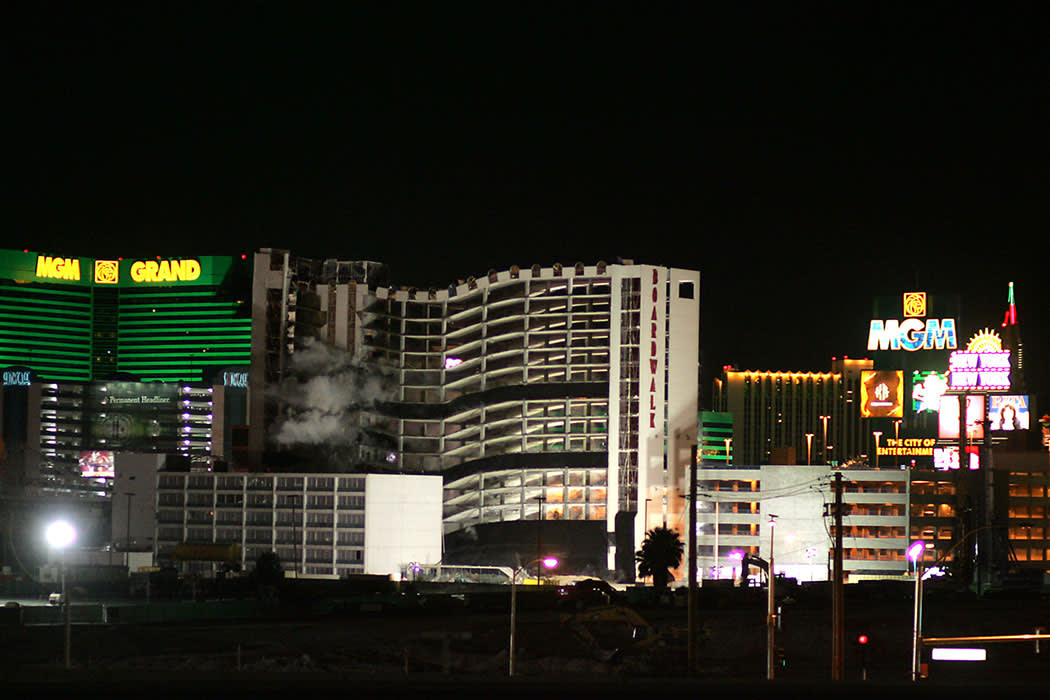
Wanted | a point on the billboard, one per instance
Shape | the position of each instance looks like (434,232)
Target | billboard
(96,464)
(945,458)
(1006,413)
(948,419)
(134,416)
(882,394)
(927,388)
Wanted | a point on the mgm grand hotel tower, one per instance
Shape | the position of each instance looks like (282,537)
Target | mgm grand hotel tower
(557,403)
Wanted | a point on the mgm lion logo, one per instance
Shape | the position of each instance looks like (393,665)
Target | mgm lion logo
(914,304)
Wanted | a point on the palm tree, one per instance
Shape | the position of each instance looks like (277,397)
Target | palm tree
(661,551)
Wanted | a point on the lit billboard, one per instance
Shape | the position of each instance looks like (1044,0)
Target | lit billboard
(945,458)
(948,419)
(882,394)
(984,365)
(927,388)
(1006,413)
(96,464)
(139,416)
(915,332)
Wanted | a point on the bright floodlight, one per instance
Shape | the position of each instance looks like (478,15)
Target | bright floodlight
(550,562)
(736,555)
(60,534)
(915,550)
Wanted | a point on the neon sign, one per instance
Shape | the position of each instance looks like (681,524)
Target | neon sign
(654,355)
(984,364)
(17,377)
(907,447)
(50,267)
(235,379)
(882,394)
(165,270)
(913,333)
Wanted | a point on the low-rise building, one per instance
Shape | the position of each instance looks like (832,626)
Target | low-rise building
(317,524)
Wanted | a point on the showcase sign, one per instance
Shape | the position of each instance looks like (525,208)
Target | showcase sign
(913,333)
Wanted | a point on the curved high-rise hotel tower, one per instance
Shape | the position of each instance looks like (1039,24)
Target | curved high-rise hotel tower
(558,403)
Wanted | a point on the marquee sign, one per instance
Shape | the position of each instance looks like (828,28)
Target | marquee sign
(31,266)
(983,366)
(913,333)
(53,267)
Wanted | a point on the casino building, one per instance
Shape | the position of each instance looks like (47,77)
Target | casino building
(555,401)
(118,355)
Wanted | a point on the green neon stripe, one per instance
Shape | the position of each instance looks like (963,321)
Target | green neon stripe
(35,290)
(53,312)
(181,292)
(45,303)
(176,305)
(20,332)
(177,361)
(188,337)
(205,324)
(55,355)
(37,342)
(157,346)
(219,313)
(54,321)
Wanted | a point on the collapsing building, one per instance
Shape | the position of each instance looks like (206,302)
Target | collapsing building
(555,402)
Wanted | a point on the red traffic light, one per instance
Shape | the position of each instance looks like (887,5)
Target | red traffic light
(862,639)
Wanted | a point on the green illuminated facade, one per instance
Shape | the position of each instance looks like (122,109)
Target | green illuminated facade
(80,319)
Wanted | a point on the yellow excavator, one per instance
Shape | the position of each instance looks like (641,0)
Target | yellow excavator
(613,631)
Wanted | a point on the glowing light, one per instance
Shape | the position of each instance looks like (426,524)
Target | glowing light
(453,362)
(958,654)
(915,551)
(985,341)
(60,534)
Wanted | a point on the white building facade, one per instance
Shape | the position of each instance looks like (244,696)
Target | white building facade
(318,524)
(539,394)
(736,506)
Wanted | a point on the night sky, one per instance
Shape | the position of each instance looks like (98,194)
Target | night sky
(804,159)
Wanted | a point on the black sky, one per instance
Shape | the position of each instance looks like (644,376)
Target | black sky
(804,158)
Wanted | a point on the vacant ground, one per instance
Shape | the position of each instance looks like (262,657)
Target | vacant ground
(411,645)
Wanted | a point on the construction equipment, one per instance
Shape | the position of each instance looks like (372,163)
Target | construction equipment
(612,632)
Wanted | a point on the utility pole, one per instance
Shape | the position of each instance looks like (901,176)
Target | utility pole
(771,610)
(838,609)
(692,602)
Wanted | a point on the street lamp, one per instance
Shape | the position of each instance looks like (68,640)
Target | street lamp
(737,556)
(914,553)
(877,434)
(549,563)
(127,532)
(60,535)
(824,443)
(809,448)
